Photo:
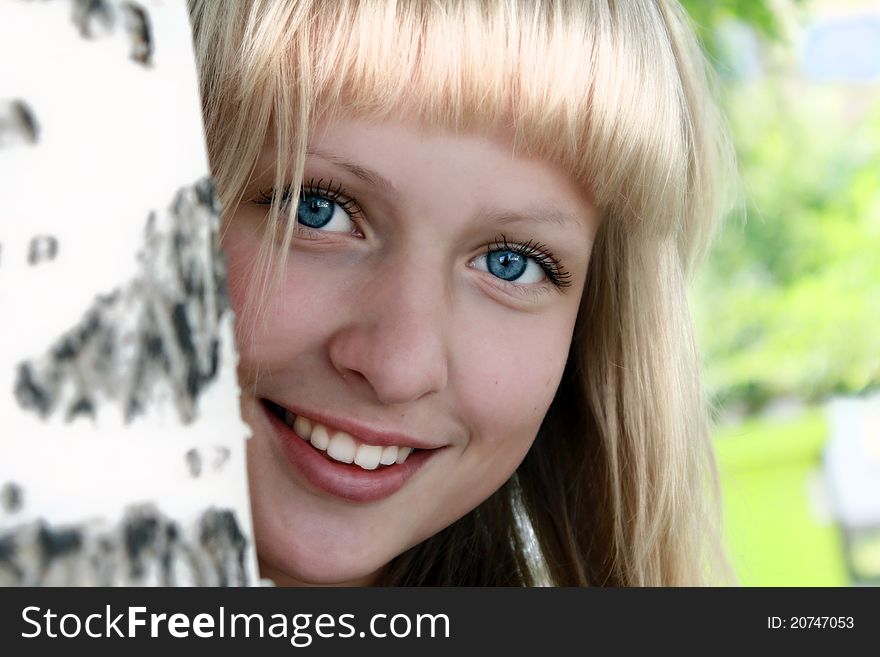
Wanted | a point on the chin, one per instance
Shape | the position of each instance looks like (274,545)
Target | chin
(290,570)
(313,558)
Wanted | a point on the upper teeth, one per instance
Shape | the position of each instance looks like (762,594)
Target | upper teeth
(343,447)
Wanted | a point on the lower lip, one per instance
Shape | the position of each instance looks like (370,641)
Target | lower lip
(347,481)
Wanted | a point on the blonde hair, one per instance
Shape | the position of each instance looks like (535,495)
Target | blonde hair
(619,487)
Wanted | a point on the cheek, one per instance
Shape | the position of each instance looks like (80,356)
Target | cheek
(509,373)
(272,327)
(241,247)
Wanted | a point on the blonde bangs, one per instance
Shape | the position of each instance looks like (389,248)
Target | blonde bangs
(592,86)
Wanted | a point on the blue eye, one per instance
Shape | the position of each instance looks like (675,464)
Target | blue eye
(506,264)
(317,212)
(509,265)
(323,207)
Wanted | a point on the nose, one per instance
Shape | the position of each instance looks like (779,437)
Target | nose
(393,342)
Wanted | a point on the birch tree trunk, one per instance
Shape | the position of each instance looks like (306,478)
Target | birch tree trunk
(122,457)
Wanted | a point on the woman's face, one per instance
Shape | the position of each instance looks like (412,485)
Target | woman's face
(427,304)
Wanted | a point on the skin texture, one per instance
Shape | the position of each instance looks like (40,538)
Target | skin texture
(397,324)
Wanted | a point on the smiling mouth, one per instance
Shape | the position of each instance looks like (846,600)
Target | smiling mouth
(340,446)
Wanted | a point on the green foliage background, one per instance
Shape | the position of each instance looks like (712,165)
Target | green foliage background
(789,303)
(708,14)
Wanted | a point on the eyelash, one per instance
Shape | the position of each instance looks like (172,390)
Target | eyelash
(540,253)
(537,251)
(329,190)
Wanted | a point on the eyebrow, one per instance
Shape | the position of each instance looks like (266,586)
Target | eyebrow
(363,173)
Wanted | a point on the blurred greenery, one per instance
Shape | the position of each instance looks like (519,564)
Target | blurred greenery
(769,473)
(866,554)
(789,304)
(708,14)
(787,307)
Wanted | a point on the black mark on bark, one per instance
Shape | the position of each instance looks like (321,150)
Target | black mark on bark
(145,548)
(160,330)
(42,248)
(224,543)
(57,543)
(137,25)
(11,497)
(31,394)
(198,462)
(221,456)
(193,462)
(100,18)
(92,17)
(141,531)
(83,406)
(18,125)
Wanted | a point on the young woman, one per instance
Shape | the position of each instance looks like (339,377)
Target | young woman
(458,236)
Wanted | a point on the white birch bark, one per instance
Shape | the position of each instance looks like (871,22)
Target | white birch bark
(121,445)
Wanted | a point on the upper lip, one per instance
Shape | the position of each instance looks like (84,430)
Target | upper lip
(363,432)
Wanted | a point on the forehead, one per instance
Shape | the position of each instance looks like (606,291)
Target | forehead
(403,156)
